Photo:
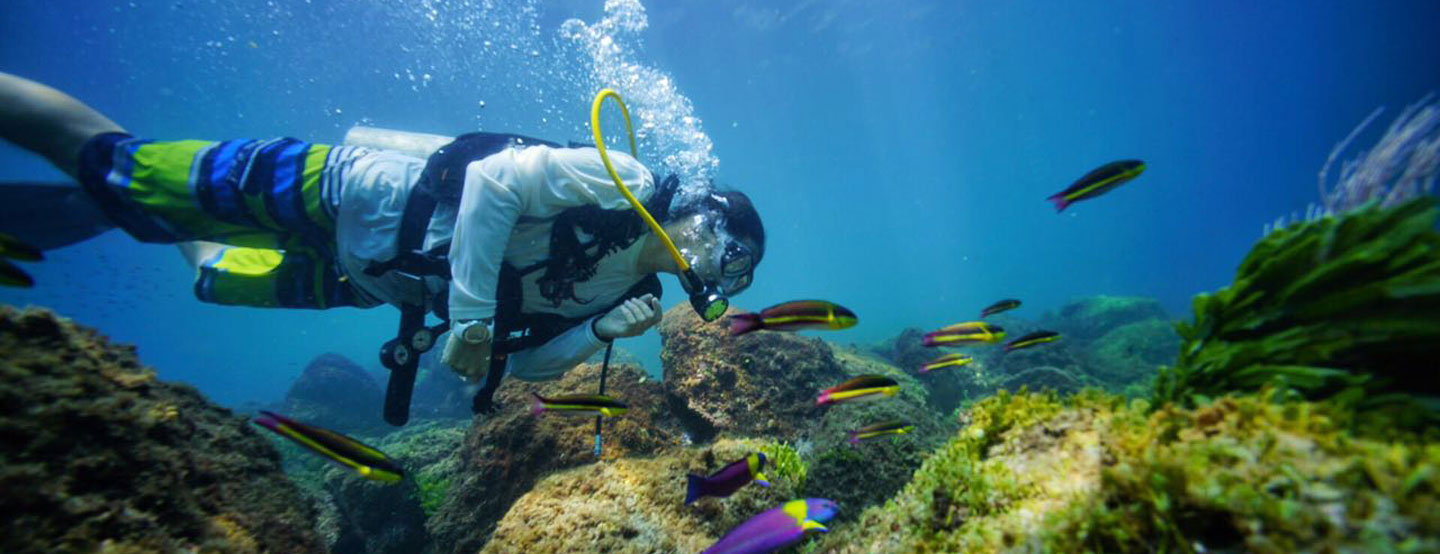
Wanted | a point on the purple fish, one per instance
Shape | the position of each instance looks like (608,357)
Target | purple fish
(728,480)
(777,527)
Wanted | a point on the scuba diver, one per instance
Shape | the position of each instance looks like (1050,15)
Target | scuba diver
(526,250)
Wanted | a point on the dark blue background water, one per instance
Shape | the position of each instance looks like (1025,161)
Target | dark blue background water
(900,153)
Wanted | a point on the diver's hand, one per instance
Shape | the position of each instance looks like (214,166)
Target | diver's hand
(467,352)
(629,319)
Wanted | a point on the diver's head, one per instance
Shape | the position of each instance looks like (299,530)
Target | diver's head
(721,237)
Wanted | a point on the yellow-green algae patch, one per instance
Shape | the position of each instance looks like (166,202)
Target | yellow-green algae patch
(1092,473)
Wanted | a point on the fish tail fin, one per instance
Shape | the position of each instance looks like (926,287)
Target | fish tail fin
(537,406)
(744,323)
(695,488)
(1060,202)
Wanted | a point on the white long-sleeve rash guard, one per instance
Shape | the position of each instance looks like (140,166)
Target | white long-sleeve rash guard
(505,213)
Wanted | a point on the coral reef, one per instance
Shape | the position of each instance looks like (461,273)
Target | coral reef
(1032,472)
(1343,306)
(707,373)
(504,455)
(336,393)
(633,505)
(97,455)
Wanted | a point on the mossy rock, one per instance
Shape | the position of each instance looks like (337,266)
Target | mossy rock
(1092,317)
(1132,352)
(1095,473)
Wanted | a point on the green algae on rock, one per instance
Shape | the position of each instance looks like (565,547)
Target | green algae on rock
(1092,473)
(97,455)
(1342,306)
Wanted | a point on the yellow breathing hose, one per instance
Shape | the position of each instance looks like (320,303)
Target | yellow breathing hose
(605,157)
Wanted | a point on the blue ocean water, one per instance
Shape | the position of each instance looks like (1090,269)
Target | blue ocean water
(899,153)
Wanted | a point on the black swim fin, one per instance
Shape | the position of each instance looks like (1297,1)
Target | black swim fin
(50,215)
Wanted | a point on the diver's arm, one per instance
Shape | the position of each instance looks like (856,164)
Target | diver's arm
(557,356)
(536,182)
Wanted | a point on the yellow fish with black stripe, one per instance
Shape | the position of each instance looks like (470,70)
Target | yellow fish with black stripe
(1097,182)
(364,459)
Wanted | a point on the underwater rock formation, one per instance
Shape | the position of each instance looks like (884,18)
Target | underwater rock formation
(764,385)
(634,505)
(1090,318)
(858,476)
(758,384)
(336,393)
(360,516)
(1254,473)
(1131,353)
(505,454)
(97,455)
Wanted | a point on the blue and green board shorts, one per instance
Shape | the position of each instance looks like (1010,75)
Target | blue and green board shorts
(267,200)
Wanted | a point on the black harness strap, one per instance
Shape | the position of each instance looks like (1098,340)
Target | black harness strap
(443,180)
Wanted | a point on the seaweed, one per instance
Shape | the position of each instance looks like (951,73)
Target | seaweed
(788,463)
(1341,308)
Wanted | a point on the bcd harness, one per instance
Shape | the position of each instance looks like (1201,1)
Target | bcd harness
(442,181)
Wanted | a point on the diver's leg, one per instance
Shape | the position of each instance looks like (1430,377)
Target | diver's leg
(48,122)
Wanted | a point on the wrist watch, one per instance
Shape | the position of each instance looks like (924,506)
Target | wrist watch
(475,331)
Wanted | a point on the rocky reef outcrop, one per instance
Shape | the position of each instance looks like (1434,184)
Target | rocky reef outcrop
(359,516)
(758,384)
(1033,472)
(505,454)
(634,505)
(98,455)
(336,393)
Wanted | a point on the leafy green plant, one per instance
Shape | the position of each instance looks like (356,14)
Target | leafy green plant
(787,463)
(1341,307)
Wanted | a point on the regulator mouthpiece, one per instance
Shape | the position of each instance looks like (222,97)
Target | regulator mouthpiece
(708,303)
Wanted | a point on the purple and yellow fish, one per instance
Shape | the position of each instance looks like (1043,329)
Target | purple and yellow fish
(890,427)
(969,332)
(1032,339)
(729,479)
(799,315)
(777,527)
(578,404)
(948,360)
(859,389)
(1001,306)
(1097,182)
(363,458)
